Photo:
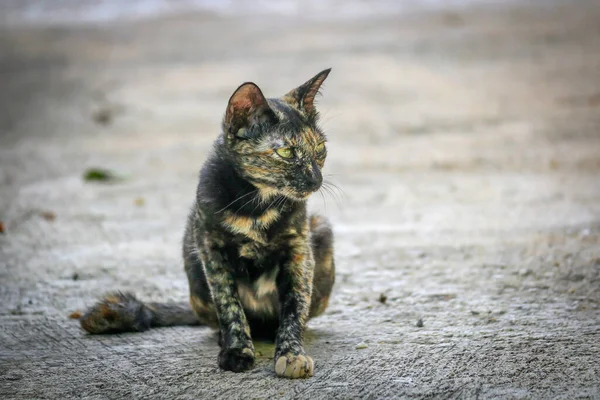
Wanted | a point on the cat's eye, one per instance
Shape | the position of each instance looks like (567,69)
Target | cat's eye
(285,152)
(320,147)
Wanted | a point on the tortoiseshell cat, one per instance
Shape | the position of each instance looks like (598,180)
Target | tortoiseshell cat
(256,263)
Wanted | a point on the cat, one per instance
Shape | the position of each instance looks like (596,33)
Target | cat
(256,263)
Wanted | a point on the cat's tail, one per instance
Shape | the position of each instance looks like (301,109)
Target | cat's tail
(123,312)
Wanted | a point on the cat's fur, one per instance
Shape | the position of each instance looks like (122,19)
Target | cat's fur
(257,264)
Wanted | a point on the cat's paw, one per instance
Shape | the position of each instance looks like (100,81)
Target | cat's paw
(294,366)
(236,359)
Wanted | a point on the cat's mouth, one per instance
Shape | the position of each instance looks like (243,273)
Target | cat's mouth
(299,192)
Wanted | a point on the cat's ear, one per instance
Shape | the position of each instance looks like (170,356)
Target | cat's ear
(247,106)
(303,97)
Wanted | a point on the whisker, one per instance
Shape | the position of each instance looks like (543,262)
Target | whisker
(337,190)
(281,203)
(323,197)
(245,204)
(275,203)
(239,198)
(328,187)
(333,185)
(262,201)
(330,194)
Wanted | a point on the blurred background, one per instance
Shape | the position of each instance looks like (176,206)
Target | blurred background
(464,140)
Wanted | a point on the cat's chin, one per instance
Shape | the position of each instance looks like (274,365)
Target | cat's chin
(298,196)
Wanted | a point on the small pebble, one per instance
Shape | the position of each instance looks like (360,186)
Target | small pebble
(102,116)
(525,272)
(361,345)
(13,377)
(420,323)
(48,215)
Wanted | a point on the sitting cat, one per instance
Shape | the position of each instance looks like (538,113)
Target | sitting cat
(257,264)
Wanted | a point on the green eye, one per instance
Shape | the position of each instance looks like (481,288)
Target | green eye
(321,147)
(285,152)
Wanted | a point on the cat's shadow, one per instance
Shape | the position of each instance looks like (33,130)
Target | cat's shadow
(265,347)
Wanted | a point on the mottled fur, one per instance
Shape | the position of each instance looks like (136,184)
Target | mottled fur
(256,263)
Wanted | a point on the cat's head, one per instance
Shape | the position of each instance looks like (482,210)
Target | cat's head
(276,143)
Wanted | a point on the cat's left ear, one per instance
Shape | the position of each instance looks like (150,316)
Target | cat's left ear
(303,97)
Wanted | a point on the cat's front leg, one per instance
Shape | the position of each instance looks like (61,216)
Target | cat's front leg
(237,350)
(295,288)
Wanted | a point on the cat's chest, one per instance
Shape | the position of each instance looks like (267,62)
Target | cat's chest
(264,240)
(256,258)
(258,294)
(256,282)
(256,251)
(253,228)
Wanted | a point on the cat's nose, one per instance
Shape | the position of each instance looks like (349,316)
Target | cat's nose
(314,183)
(314,177)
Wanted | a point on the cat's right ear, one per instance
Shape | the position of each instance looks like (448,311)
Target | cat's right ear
(247,107)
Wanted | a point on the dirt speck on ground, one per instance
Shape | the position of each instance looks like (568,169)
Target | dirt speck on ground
(466,149)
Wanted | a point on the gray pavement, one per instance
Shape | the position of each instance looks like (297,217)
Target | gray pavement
(467,147)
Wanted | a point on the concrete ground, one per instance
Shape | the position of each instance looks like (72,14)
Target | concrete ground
(467,147)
